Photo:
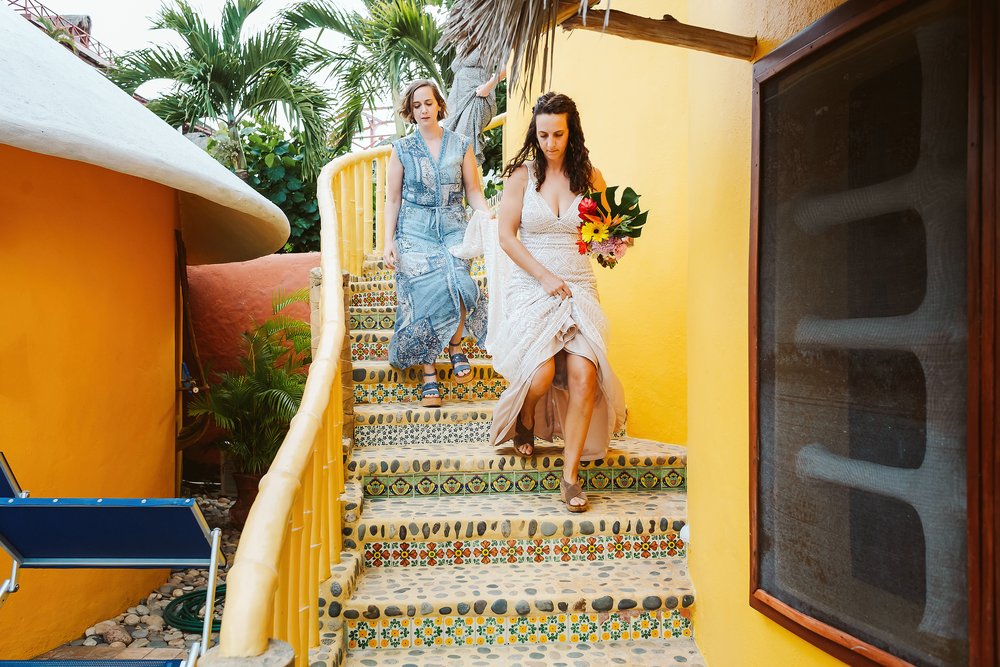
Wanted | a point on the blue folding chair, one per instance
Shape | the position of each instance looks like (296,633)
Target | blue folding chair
(148,533)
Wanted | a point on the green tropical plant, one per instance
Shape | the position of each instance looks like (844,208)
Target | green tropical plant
(222,76)
(274,169)
(391,42)
(255,405)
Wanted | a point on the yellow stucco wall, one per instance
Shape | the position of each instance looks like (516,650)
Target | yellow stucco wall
(678,304)
(632,98)
(87,401)
(728,631)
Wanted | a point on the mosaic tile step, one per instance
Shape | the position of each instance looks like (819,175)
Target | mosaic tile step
(378,382)
(373,345)
(373,317)
(520,480)
(517,517)
(378,425)
(386,296)
(398,414)
(370,284)
(632,653)
(373,268)
(518,590)
(477,457)
(396,435)
(497,631)
(407,532)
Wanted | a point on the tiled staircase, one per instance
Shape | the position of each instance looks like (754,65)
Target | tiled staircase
(457,553)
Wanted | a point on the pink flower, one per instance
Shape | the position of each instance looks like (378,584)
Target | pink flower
(587,206)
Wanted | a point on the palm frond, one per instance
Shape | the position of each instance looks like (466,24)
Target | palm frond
(234,16)
(522,29)
(325,15)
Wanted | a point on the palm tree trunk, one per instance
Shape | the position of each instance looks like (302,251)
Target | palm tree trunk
(241,158)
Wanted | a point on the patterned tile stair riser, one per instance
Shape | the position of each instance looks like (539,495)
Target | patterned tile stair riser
(435,532)
(468,469)
(505,604)
(369,293)
(378,382)
(466,421)
(374,268)
(373,345)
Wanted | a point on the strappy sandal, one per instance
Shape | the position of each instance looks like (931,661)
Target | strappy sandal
(523,437)
(459,363)
(430,392)
(572,492)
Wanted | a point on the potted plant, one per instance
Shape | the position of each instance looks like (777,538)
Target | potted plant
(254,405)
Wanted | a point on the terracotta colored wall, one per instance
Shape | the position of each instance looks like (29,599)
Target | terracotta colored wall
(88,354)
(226,299)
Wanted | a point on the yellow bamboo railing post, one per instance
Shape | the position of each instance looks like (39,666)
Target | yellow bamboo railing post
(294,565)
(381,162)
(334,434)
(345,227)
(281,596)
(366,204)
(345,241)
(323,501)
(315,506)
(359,215)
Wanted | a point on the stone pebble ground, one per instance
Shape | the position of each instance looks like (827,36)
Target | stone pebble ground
(143,625)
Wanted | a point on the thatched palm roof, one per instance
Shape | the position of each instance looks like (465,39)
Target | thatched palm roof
(522,29)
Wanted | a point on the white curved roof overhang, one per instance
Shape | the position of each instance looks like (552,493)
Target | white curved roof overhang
(54,104)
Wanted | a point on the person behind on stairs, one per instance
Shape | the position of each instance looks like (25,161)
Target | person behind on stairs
(553,343)
(431,173)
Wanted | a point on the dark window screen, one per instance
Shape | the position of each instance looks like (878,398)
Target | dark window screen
(862,334)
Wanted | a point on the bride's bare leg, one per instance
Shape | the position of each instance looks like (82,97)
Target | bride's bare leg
(582,380)
(540,383)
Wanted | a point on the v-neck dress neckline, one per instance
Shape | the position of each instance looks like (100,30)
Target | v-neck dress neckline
(423,142)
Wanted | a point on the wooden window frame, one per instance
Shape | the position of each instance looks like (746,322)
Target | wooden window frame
(983,426)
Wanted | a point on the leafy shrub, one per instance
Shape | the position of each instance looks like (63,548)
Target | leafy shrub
(274,169)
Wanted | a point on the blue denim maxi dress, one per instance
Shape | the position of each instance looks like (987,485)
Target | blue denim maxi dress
(431,283)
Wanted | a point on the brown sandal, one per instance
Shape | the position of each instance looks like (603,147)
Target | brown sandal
(523,436)
(572,491)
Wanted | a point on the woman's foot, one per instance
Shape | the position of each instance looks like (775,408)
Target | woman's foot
(524,438)
(573,495)
(430,392)
(461,368)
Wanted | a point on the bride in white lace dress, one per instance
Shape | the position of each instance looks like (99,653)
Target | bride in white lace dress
(552,345)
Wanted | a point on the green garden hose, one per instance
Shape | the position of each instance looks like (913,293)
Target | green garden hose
(182,612)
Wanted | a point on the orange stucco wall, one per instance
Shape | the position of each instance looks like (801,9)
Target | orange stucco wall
(88,351)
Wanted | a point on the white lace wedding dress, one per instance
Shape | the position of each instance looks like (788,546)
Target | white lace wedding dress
(538,326)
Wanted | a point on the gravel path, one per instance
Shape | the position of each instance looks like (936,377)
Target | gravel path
(142,625)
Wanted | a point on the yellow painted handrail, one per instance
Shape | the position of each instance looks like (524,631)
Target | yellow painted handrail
(293,533)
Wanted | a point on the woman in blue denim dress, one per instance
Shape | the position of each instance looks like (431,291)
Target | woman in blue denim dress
(430,174)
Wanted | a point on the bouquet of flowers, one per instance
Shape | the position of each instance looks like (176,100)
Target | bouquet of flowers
(608,231)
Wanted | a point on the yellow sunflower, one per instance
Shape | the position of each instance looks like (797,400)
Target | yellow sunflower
(594,232)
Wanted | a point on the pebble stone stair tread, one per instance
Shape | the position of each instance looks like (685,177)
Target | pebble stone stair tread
(408,413)
(636,653)
(520,516)
(518,590)
(481,457)
(373,345)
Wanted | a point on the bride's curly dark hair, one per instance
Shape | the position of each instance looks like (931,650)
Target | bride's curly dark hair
(576,165)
